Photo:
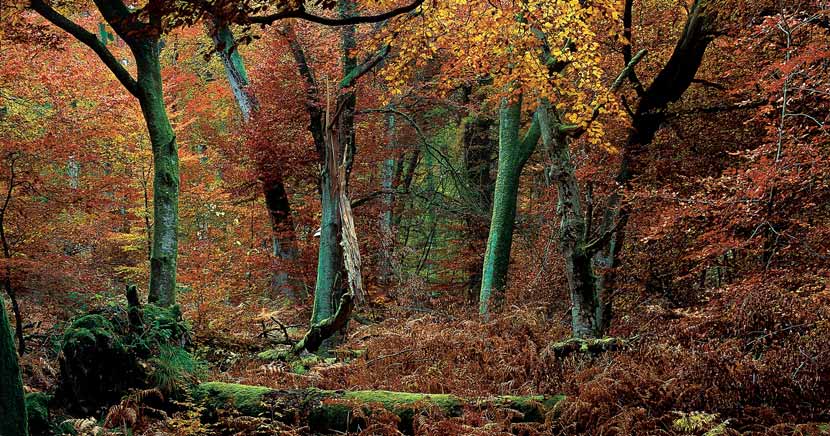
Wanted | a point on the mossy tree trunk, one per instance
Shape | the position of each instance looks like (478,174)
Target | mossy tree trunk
(331,274)
(235,70)
(513,154)
(142,35)
(165,172)
(332,411)
(586,307)
(12,406)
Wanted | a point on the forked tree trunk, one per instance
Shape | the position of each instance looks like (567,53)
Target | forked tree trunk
(591,257)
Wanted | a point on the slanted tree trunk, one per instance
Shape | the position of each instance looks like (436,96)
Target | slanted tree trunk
(283,238)
(12,407)
(235,70)
(667,87)
(513,154)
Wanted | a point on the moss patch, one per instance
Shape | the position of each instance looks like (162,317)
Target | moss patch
(37,411)
(248,400)
(325,410)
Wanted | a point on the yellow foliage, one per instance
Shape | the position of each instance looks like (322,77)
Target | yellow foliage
(515,45)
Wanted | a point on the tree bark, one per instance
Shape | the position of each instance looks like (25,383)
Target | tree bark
(166,172)
(7,255)
(234,69)
(478,149)
(667,87)
(513,154)
(283,238)
(12,406)
(331,273)
(591,264)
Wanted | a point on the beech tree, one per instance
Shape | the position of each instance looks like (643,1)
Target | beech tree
(592,254)
(143,39)
(283,238)
(525,61)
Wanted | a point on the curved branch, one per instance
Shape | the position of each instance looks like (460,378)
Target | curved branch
(347,21)
(90,40)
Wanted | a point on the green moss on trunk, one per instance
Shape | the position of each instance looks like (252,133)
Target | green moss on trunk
(37,411)
(166,173)
(513,154)
(12,407)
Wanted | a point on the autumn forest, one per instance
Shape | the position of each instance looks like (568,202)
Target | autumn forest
(414,217)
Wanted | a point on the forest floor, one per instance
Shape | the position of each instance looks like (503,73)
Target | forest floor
(679,372)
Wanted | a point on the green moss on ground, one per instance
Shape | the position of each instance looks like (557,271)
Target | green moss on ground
(37,411)
(248,400)
(275,355)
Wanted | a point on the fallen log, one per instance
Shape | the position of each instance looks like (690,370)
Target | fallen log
(321,411)
(585,346)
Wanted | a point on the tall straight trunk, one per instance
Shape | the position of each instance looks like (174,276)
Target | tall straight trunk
(142,35)
(12,407)
(385,219)
(166,173)
(513,154)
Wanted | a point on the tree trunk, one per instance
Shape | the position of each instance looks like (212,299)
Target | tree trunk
(478,148)
(513,153)
(234,69)
(12,407)
(331,274)
(7,255)
(166,173)
(330,277)
(387,241)
(320,411)
(667,87)
(283,239)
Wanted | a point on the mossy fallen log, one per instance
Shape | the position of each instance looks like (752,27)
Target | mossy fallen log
(317,408)
(585,346)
